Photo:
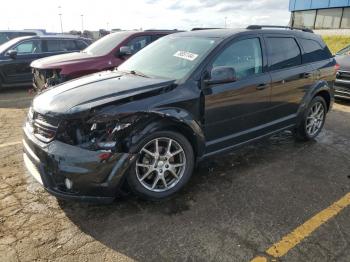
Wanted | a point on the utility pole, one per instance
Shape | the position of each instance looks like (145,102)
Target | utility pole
(60,15)
(225,21)
(82,23)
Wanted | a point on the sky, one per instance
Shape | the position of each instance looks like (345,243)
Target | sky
(137,14)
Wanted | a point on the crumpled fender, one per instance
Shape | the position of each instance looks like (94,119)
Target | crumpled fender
(173,119)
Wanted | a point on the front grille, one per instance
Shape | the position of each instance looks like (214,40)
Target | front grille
(45,127)
(343,75)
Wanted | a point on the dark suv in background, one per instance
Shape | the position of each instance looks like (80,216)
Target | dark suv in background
(185,97)
(17,54)
(342,82)
(104,54)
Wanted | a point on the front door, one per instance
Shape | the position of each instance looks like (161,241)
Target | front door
(235,112)
(17,70)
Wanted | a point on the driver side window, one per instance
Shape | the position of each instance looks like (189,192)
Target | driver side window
(29,47)
(244,56)
(138,43)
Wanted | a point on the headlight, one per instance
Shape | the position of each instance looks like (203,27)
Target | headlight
(106,135)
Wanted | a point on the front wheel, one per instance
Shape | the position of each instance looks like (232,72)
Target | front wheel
(164,165)
(313,120)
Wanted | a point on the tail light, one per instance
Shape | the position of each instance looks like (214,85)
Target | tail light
(336,68)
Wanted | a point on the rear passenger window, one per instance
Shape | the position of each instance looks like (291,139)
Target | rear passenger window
(68,45)
(313,51)
(244,56)
(53,45)
(284,52)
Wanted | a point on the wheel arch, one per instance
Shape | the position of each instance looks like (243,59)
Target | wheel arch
(177,120)
(321,88)
(326,96)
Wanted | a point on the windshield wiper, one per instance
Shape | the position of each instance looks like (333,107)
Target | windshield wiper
(138,73)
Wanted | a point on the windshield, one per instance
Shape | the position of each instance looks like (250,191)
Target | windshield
(344,51)
(170,57)
(7,45)
(106,44)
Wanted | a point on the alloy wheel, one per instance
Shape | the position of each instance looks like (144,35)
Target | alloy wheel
(315,119)
(161,164)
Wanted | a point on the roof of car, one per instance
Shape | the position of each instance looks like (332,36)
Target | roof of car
(228,32)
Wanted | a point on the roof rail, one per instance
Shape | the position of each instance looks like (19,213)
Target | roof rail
(252,27)
(204,28)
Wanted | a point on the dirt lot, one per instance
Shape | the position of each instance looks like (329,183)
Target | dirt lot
(234,208)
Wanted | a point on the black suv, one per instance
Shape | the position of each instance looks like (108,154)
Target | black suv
(181,99)
(17,54)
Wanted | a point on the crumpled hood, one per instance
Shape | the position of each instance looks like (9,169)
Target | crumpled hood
(344,62)
(91,91)
(57,61)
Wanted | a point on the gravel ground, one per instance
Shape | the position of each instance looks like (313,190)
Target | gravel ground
(235,207)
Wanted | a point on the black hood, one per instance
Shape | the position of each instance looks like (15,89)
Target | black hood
(94,90)
(344,62)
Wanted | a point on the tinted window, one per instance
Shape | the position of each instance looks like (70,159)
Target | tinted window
(81,44)
(138,43)
(29,47)
(68,45)
(283,52)
(244,56)
(313,51)
(155,37)
(344,51)
(53,46)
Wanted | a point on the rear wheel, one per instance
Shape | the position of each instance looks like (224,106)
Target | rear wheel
(164,165)
(313,120)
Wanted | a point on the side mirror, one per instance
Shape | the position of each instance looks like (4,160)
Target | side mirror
(221,75)
(124,51)
(12,53)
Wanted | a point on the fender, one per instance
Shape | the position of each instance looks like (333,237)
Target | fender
(176,119)
(320,86)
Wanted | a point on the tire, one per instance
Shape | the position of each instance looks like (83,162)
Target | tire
(158,176)
(311,125)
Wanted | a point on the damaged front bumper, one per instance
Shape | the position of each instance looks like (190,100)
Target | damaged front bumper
(70,172)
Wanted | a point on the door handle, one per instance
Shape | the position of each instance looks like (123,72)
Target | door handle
(262,86)
(307,75)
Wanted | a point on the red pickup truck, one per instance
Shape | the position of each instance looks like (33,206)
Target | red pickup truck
(104,54)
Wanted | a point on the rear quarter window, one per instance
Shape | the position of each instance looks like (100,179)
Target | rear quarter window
(313,51)
(67,45)
(284,52)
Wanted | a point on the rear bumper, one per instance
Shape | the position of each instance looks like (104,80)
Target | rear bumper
(92,179)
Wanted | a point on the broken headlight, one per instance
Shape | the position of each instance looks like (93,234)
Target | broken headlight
(94,135)
(105,136)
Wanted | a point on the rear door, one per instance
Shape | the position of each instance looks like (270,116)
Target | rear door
(235,112)
(18,70)
(290,78)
